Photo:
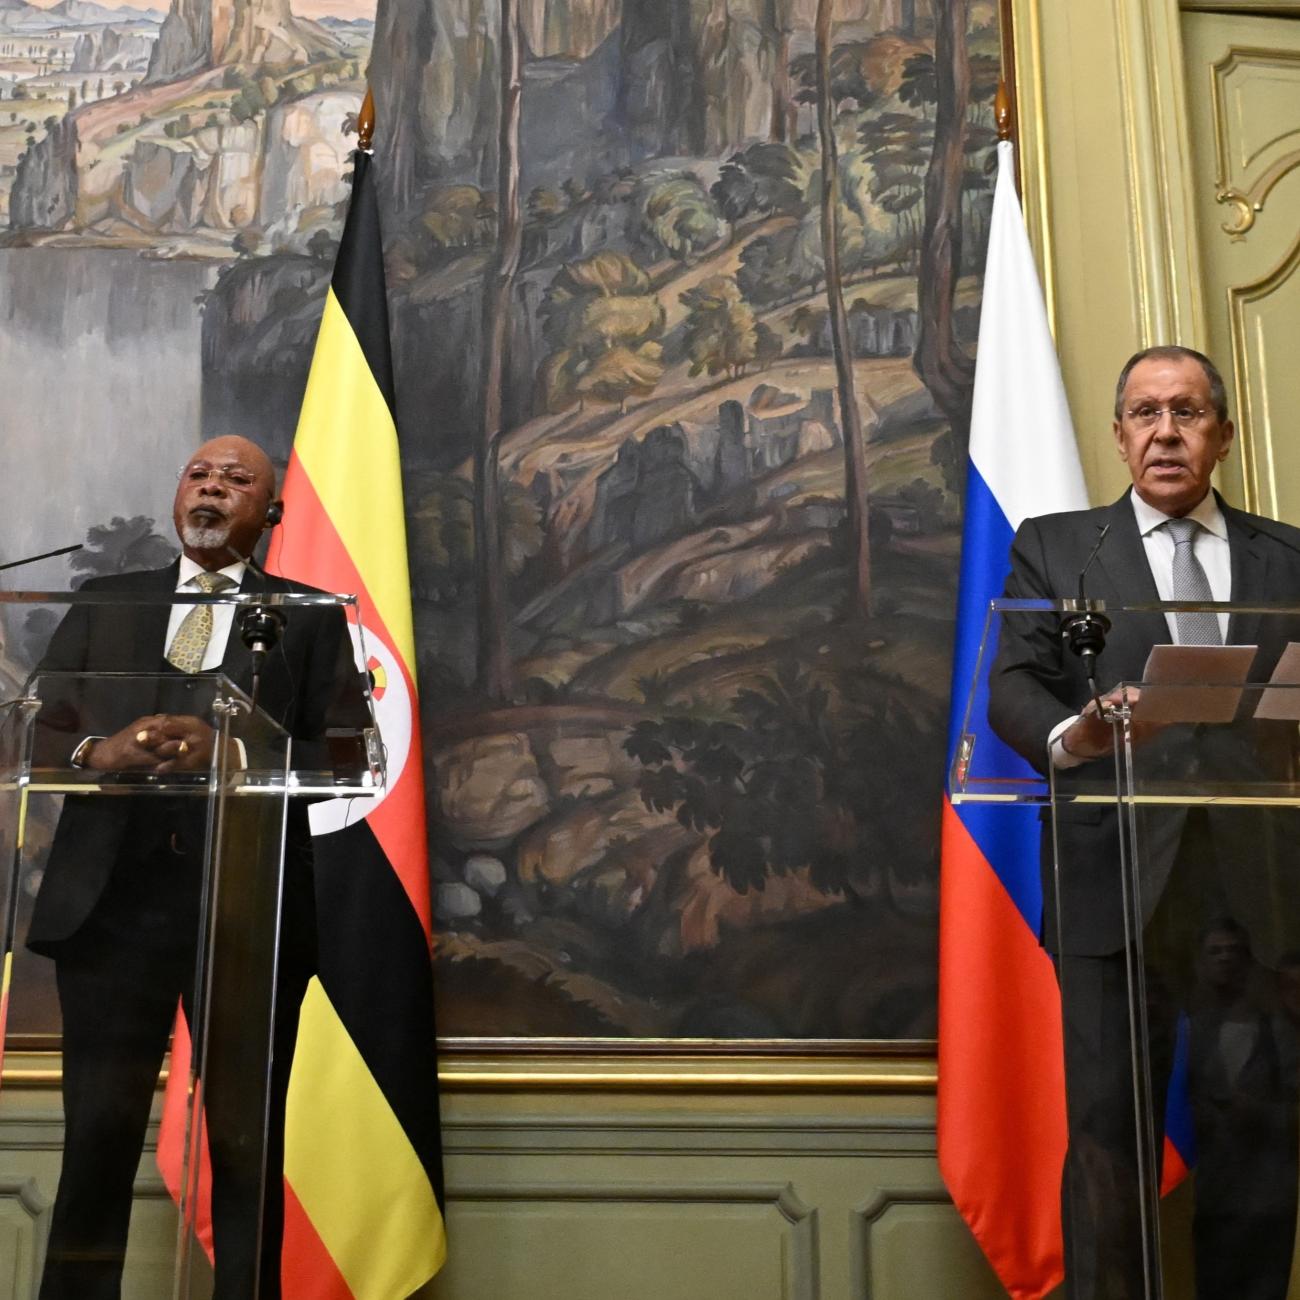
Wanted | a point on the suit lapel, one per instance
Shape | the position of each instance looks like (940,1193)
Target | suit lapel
(235,661)
(1123,560)
(1250,577)
(148,630)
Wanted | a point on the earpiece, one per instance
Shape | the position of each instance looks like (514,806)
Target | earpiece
(274,513)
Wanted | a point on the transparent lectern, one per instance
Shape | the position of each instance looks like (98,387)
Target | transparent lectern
(171,889)
(1171,907)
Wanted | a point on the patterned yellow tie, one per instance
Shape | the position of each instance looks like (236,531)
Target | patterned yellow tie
(190,643)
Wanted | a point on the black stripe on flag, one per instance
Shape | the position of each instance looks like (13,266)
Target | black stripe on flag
(365,923)
(359,282)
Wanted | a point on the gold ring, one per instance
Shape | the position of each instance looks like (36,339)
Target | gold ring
(183,747)
(141,736)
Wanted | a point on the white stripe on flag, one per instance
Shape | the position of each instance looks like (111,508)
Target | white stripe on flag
(1021,439)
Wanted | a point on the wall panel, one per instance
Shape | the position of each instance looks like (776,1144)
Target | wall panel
(669,1193)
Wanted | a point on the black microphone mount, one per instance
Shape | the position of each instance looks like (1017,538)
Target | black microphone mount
(260,626)
(1084,629)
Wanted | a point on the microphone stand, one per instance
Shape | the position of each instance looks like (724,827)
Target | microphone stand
(45,555)
(260,626)
(1085,630)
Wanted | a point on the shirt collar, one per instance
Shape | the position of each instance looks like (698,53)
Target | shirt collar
(1207,514)
(189,571)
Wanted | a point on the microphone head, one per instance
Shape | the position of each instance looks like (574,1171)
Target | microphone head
(248,560)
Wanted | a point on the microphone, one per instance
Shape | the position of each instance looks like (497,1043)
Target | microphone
(1084,631)
(260,626)
(45,555)
(248,560)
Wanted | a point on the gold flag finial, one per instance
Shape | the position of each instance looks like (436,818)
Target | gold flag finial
(366,121)
(1002,111)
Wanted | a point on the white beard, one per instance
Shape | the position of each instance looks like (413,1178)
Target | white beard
(205,539)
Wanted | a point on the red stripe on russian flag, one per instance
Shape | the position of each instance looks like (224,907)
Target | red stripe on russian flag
(1173,1168)
(1001,1107)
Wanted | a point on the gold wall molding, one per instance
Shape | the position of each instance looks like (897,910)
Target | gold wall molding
(1234,188)
(1260,451)
(556,1065)
(1263,8)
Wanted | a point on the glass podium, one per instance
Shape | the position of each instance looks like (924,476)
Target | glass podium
(1170,870)
(156,878)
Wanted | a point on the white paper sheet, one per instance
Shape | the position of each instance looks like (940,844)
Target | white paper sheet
(1278,702)
(1193,683)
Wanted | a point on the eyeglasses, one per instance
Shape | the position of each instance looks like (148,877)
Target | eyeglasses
(231,476)
(1148,415)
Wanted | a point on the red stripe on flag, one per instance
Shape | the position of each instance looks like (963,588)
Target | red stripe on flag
(1173,1168)
(312,551)
(170,1156)
(1001,1111)
(307,1269)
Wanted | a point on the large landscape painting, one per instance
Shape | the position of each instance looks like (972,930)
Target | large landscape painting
(683,491)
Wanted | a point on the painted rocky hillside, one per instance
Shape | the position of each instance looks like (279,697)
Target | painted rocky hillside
(219,130)
(683,618)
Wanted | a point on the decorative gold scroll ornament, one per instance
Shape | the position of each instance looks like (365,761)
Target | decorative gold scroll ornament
(1247,205)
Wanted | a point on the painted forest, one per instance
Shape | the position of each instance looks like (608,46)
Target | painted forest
(684,296)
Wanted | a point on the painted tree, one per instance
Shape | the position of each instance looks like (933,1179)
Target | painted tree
(493,655)
(721,334)
(855,453)
(896,146)
(763,180)
(677,215)
(920,87)
(459,217)
(942,365)
(621,373)
(603,324)
(441,521)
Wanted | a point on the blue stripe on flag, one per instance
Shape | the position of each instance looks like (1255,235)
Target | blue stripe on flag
(1007,836)
(1178,1099)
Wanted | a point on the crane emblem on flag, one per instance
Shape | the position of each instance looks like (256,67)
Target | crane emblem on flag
(392,699)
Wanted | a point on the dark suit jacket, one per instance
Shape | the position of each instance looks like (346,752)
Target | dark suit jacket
(1036,683)
(309,685)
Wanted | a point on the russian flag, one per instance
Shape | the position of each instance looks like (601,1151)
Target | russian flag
(1001,1111)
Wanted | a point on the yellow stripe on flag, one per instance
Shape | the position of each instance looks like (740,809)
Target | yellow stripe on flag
(344,1148)
(347,444)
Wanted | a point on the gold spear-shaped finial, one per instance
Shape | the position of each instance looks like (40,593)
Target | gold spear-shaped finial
(1002,111)
(366,121)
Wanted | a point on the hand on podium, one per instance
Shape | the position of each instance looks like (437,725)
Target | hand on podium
(1092,734)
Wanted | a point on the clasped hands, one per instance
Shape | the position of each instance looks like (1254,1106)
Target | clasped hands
(159,743)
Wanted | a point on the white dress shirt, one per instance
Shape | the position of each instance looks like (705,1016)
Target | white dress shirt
(222,615)
(1209,545)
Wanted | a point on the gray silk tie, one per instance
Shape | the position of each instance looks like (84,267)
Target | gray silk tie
(1190,583)
(190,643)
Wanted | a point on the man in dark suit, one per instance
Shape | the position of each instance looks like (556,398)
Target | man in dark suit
(119,904)
(1170,537)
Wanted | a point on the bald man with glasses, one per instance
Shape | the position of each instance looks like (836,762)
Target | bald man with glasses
(118,906)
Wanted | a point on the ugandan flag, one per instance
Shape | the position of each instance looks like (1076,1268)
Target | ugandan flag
(362,1165)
